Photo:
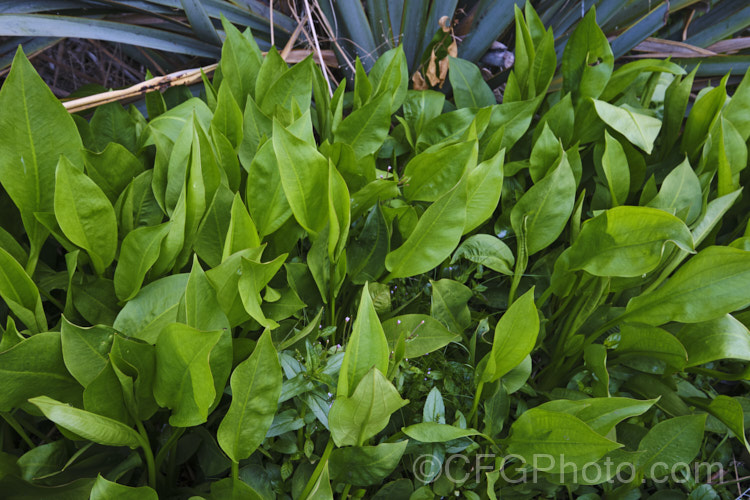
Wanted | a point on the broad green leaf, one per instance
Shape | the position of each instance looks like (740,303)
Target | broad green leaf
(431,174)
(111,123)
(702,115)
(673,441)
(108,490)
(680,193)
(43,460)
(154,307)
(702,289)
(366,253)
(379,189)
(587,61)
(541,432)
(233,489)
(420,107)
(366,465)
(635,341)
(184,381)
(267,203)
(85,350)
(601,414)
(257,127)
(515,337)
(139,251)
(488,251)
(676,99)
(434,238)
(304,175)
(112,169)
(95,300)
(357,418)
(294,85)
(641,130)
(433,432)
(390,75)
(339,213)
(241,233)
(21,294)
(545,153)
(104,396)
(228,118)
(88,425)
(85,214)
(256,386)
(627,241)
(136,360)
(731,414)
(366,129)
(484,186)
(560,118)
(714,340)
(616,170)
(240,62)
(449,304)
(423,334)
(209,242)
(546,207)
(199,307)
(33,367)
(469,88)
(367,347)
(737,109)
(225,280)
(255,276)
(36,130)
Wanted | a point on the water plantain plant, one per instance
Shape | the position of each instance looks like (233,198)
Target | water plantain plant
(277,291)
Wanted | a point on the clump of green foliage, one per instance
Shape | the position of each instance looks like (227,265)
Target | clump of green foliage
(275,291)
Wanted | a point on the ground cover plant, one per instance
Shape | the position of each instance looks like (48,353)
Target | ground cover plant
(283,290)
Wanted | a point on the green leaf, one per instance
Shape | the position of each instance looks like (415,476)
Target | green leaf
(635,341)
(255,276)
(184,381)
(390,75)
(423,334)
(85,214)
(240,62)
(627,241)
(140,250)
(731,414)
(714,340)
(545,153)
(266,201)
(21,294)
(540,432)
(616,170)
(680,193)
(433,239)
(701,118)
(433,173)
(256,386)
(704,288)
(546,207)
(134,363)
(36,130)
(34,367)
(673,441)
(241,233)
(469,88)
(587,61)
(112,169)
(228,118)
(601,414)
(488,251)
(366,129)
(154,307)
(515,337)
(366,465)
(357,418)
(483,189)
(199,307)
(88,425)
(339,213)
(85,350)
(367,347)
(294,85)
(641,130)
(449,304)
(433,432)
(108,490)
(365,254)
(304,175)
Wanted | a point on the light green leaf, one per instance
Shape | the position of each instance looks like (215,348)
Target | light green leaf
(256,386)
(515,337)
(21,294)
(366,465)
(88,425)
(488,251)
(673,441)
(714,340)
(449,304)
(483,189)
(85,215)
(469,88)
(108,490)
(601,414)
(616,170)
(366,129)
(199,307)
(355,419)
(423,334)
(587,61)
(85,350)
(140,250)
(731,414)
(433,173)
(641,130)
(635,341)
(704,288)
(680,193)
(433,432)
